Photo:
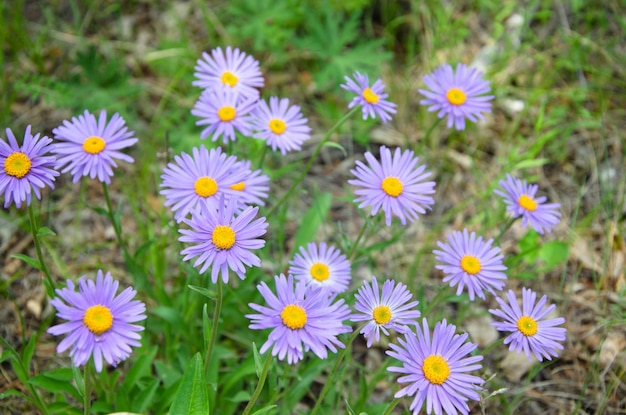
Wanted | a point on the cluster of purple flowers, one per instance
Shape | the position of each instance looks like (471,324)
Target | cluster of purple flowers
(217,197)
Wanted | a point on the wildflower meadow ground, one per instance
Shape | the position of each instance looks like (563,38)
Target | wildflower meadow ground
(291,208)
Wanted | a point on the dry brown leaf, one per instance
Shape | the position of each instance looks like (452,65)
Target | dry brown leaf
(481,331)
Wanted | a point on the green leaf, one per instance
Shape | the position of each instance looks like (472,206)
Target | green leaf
(525,164)
(553,253)
(203,291)
(265,410)
(192,397)
(206,325)
(312,219)
(141,368)
(258,363)
(29,260)
(142,400)
(45,231)
(169,314)
(78,379)
(54,385)
(337,146)
(27,354)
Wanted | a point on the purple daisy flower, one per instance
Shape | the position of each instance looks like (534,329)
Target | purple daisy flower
(373,99)
(457,95)
(389,310)
(521,200)
(253,188)
(235,70)
(468,261)
(26,168)
(321,266)
(302,318)
(91,148)
(436,369)
(203,178)
(280,125)
(221,111)
(99,322)
(531,331)
(393,184)
(222,240)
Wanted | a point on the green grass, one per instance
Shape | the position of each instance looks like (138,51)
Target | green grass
(565,63)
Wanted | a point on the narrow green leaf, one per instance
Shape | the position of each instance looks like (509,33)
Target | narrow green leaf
(337,146)
(258,363)
(141,368)
(192,397)
(312,219)
(33,262)
(54,385)
(203,291)
(143,398)
(206,325)
(29,350)
(265,410)
(45,231)
(78,379)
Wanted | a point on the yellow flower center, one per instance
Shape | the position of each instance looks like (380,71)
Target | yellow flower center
(229,78)
(94,145)
(527,325)
(392,186)
(456,96)
(436,369)
(98,319)
(293,316)
(382,314)
(277,126)
(223,237)
(369,96)
(238,186)
(227,113)
(527,203)
(319,271)
(17,164)
(470,264)
(205,186)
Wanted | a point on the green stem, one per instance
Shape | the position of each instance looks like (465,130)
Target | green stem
(491,346)
(116,225)
(430,130)
(358,239)
(262,158)
(259,386)
(503,229)
(87,397)
(33,228)
(216,318)
(391,406)
(441,293)
(312,160)
(331,374)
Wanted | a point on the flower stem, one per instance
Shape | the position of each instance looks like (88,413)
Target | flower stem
(262,157)
(116,225)
(34,228)
(329,381)
(311,160)
(430,130)
(503,229)
(259,386)
(216,319)
(358,238)
(87,397)
(392,405)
